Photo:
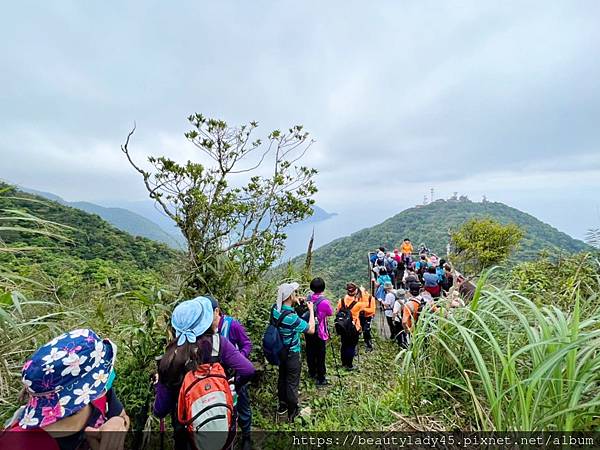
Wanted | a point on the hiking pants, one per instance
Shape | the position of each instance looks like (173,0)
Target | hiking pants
(365,323)
(392,326)
(348,349)
(243,409)
(288,382)
(315,356)
(401,337)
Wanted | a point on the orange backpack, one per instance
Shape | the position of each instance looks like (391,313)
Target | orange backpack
(206,405)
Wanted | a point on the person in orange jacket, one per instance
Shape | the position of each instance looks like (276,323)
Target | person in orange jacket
(366,316)
(349,341)
(413,308)
(406,248)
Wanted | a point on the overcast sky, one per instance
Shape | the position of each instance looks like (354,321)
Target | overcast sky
(495,98)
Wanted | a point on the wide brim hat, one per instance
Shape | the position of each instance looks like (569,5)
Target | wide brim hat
(388,285)
(191,319)
(65,375)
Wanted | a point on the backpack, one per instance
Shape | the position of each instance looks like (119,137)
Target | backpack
(344,324)
(205,405)
(306,314)
(414,314)
(272,343)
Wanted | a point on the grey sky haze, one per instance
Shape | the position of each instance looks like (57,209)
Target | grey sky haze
(495,98)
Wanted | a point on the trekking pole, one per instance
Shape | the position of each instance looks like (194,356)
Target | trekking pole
(337,367)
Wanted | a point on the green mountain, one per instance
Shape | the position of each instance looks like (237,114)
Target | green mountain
(91,237)
(344,259)
(121,218)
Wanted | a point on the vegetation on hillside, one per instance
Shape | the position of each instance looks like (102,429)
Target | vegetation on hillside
(529,335)
(90,237)
(345,259)
(482,243)
(234,230)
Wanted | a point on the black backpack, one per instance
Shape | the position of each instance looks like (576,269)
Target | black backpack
(306,314)
(344,325)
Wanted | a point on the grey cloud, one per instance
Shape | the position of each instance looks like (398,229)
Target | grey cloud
(436,91)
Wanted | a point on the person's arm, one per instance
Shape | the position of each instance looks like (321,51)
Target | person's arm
(240,338)
(111,434)
(164,400)
(311,318)
(232,359)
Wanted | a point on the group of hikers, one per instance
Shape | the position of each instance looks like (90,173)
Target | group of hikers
(405,285)
(203,376)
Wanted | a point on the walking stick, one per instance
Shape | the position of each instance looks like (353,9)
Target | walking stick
(337,367)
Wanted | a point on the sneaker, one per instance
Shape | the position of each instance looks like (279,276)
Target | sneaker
(292,416)
(322,383)
(282,410)
(246,443)
(350,368)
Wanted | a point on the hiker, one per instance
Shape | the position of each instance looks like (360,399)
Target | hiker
(380,252)
(433,260)
(430,280)
(68,387)
(399,333)
(407,250)
(455,300)
(421,267)
(366,316)
(388,307)
(412,283)
(316,343)
(413,309)
(439,270)
(382,278)
(423,250)
(199,353)
(290,328)
(232,330)
(379,263)
(347,324)
(448,278)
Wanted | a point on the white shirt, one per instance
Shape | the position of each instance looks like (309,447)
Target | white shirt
(398,310)
(388,303)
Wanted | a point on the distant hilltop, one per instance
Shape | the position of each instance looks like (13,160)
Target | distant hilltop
(344,259)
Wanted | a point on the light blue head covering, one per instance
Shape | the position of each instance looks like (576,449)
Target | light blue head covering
(191,319)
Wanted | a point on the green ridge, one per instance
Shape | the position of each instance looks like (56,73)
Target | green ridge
(344,259)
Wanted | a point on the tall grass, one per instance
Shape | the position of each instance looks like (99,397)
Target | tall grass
(521,366)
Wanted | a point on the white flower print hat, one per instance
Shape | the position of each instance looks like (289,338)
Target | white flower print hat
(65,375)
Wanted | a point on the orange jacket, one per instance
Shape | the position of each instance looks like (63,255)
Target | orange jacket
(368,302)
(410,312)
(355,311)
(406,249)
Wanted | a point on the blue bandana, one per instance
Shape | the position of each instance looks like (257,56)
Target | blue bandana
(191,319)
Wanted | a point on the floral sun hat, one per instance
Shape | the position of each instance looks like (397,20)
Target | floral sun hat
(65,375)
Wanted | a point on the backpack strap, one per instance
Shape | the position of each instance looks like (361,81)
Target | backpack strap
(352,305)
(282,316)
(216,345)
(226,326)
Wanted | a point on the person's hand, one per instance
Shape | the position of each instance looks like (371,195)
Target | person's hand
(110,436)
(155,379)
(311,306)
